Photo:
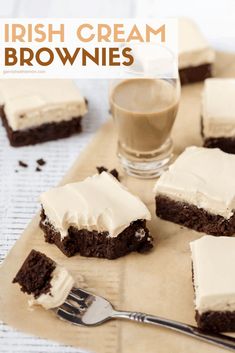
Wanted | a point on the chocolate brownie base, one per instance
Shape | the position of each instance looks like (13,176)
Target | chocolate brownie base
(94,244)
(42,133)
(195,73)
(35,274)
(226,144)
(216,321)
(193,217)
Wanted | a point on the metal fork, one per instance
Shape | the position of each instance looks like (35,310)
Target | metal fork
(85,309)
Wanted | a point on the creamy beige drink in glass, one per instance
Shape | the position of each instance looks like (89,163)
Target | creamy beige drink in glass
(144,111)
(144,107)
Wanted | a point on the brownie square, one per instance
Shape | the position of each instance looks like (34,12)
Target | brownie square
(95,217)
(198,191)
(218,114)
(196,57)
(36,111)
(213,263)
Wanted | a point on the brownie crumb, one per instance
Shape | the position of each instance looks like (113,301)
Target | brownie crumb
(41,162)
(16,171)
(101,169)
(114,172)
(38,169)
(23,164)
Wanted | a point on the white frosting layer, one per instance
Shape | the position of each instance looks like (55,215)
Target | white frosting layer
(61,284)
(98,203)
(218,107)
(203,177)
(213,266)
(32,102)
(194,49)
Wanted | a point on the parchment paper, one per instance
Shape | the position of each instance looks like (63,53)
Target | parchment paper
(157,283)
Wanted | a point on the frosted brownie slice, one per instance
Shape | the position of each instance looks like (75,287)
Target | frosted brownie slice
(47,283)
(198,191)
(213,263)
(95,217)
(218,114)
(39,110)
(196,57)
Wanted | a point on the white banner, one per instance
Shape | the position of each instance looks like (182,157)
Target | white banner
(88,48)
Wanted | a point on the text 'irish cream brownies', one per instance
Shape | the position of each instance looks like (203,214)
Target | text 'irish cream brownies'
(35,111)
(198,191)
(213,268)
(218,114)
(95,217)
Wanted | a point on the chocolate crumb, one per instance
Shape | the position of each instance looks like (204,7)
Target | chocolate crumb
(38,169)
(114,172)
(16,171)
(41,161)
(101,169)
(23,164)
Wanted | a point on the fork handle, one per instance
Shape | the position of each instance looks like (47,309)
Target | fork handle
(216,339)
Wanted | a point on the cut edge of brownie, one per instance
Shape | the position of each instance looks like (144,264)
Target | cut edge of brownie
(214,321)
(193,74)
(192,217)
(95,244)
(42,133)
(28,275)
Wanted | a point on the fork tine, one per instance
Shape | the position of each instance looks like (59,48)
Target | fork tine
(80,293)
(81,303)
(82,298)
(65,315)
(68,306)
(80,306)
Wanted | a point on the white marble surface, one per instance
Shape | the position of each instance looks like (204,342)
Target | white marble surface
(19,190)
